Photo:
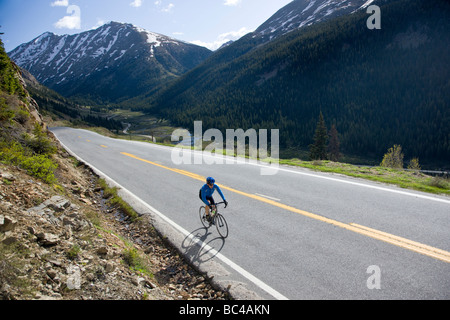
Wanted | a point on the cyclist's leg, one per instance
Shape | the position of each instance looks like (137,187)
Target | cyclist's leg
(206,207)
(211,202)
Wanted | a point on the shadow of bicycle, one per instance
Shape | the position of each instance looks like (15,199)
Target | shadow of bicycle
(198,249)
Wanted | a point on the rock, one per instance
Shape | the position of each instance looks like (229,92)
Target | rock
(172,287)
(55,262)
(52,273)
(57,203)
(7,223)
(74,277)
(109,267)
(48,239)
(8,176)
(86,201)
(68,222)
(9,240)
(103,251)
(31,230)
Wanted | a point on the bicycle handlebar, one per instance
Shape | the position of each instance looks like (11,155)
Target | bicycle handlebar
(223,202)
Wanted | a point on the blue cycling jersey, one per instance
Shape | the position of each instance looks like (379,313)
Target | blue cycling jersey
(208,192)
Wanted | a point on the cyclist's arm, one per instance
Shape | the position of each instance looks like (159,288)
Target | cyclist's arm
(220,192)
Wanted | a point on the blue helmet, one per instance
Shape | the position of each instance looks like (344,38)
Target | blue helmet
(210,180)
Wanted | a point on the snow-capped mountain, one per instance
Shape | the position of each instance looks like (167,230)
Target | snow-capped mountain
(115,61)
(300,13)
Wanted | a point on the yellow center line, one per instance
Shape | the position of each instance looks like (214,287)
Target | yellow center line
(103,146)
(372,233)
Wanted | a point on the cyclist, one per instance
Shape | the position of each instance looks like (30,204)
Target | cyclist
(206,193)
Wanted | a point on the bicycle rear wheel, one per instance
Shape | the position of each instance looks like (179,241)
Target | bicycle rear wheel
(221,225)
(202,214)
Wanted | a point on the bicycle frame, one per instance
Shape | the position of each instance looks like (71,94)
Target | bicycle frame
(217,219)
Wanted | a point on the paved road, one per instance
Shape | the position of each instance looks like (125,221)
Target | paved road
(297,234)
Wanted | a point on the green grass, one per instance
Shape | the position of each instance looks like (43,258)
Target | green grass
(136,262)
(402,178)
(73,252)
(116,200)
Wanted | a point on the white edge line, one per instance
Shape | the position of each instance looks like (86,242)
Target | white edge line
(220,256)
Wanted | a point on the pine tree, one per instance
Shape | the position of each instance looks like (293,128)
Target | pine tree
(318,150)
(334,144)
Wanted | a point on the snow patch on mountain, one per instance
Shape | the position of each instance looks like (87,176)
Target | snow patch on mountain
(301,13)
(70,61)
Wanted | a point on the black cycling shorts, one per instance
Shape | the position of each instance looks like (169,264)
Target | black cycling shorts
(210,199)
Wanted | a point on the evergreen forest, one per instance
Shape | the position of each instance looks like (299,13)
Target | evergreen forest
(377,88)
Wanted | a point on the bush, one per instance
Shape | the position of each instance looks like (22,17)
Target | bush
(40,144)
(414,164)
(39,166)
(6,113)
(22,116)
(393,158)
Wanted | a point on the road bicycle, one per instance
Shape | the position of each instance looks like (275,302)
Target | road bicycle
(215,218)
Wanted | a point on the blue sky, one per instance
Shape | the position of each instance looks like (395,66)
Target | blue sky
(204,22)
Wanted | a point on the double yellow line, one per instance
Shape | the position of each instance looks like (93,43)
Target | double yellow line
(372,233)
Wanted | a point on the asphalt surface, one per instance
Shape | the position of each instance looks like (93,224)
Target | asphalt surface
(296,234)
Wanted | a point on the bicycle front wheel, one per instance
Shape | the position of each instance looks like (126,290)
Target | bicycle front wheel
(202,214)
(221,225)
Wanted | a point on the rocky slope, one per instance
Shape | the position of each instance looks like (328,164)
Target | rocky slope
(60,235)
(69,243)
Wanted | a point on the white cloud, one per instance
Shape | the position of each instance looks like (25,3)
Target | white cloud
(136,3)
(223,38)
(167,8)
(70,22)
(232,3)
(60,3)
(100,23)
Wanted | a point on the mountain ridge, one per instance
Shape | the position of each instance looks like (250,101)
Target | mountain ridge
(300,13)
(77,65)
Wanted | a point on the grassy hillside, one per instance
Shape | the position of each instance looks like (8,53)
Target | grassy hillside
(23,139)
